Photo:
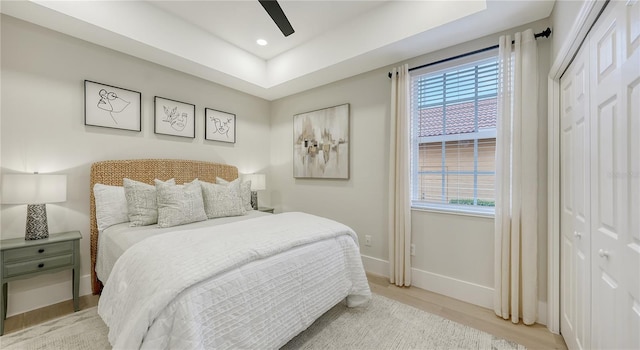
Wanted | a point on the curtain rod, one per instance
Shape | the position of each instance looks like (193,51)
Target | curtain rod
(545,33)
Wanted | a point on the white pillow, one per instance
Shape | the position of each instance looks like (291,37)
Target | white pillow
(142,205)
(111,205)
(245,191)
(222,200)
(179,205)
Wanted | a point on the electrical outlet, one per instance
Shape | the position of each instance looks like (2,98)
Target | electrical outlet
(413,249)
(367,240)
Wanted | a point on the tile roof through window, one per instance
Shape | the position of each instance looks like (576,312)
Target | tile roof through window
(459,118)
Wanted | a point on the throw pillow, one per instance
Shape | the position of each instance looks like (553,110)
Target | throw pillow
(142,204)
(222,200)
(179,205)
(111,205)
(245,192)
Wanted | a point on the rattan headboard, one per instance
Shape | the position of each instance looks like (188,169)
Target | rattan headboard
(111,172)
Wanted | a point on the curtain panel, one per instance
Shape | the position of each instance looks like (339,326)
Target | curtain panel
(516,229)
(399,178)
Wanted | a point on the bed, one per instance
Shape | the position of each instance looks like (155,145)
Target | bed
(249,281)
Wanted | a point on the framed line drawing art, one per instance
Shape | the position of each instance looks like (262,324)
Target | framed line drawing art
(321,143)
(112,107)
(174,118)
(219,126)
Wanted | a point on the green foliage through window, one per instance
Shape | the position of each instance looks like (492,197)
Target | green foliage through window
(468,201)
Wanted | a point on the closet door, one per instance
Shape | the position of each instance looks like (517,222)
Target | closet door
(614,210)
(630,243)
(575,263)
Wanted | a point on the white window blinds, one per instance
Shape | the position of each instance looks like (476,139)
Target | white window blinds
(454,137)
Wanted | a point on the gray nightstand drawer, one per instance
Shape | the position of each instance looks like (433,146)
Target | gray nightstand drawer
(36,252)
(37,265)
(20,259)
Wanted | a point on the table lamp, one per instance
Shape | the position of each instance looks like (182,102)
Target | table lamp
(36,191)
(258,183)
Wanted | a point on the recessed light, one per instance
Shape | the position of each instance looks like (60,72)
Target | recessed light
(261,42)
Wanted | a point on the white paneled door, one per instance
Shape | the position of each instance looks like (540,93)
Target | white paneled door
(600,184)
(609,210)
(615,210)
(575,265)
(629,244)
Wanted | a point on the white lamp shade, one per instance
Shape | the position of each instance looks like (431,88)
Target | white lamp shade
(33,188)
(258,181)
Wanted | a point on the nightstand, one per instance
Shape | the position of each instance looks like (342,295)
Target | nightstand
(24,259)
(266,209)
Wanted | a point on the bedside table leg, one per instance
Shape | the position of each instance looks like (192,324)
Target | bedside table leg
(76,275)
(3,307)
(76,289)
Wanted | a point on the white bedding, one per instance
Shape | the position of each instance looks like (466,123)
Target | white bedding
(250,284)
(113,241)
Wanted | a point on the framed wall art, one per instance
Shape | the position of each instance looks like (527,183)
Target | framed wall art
(219,126)
(321,143)
(112,107)
(174,117)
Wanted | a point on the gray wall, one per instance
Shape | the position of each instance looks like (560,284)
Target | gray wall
(562,18)
(361,201)
(453,249)
(43,130)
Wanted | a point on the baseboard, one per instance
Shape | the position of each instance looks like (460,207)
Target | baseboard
(458,289)
(455,288)
(36,298)
(375,266)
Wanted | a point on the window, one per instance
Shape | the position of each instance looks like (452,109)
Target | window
(454,137)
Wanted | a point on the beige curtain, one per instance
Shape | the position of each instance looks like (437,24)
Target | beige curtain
(399,167)
(516,229)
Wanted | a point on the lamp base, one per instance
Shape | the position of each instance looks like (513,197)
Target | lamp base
(254,200)
(37,227)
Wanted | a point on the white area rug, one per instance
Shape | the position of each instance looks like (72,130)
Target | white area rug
(383,324)
(80,330)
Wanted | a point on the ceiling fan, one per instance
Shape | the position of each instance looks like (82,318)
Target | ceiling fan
(277,15)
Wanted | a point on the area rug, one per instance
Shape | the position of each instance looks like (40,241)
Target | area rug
(383,324)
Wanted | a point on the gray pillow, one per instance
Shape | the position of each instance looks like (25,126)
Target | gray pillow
(245,192)
(179,205)
(222,200)
(111,205)
(142,205)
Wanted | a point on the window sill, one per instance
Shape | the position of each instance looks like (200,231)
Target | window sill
(452,211)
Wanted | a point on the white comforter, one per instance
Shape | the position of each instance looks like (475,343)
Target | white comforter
(250,284)
(115,240)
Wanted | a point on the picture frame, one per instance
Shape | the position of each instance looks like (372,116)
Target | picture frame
(113,107)
(175,118)
(321,143)
(219,126)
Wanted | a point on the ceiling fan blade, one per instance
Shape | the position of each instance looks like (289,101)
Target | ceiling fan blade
(277,15)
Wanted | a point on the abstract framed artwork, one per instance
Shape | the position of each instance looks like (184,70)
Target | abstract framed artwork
(112,107)
(219,126)
(321,143)
(174,117)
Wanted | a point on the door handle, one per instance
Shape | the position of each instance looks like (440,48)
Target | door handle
(603,253)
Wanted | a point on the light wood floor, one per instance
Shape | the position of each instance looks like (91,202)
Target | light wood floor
(533,337)
(34,317)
